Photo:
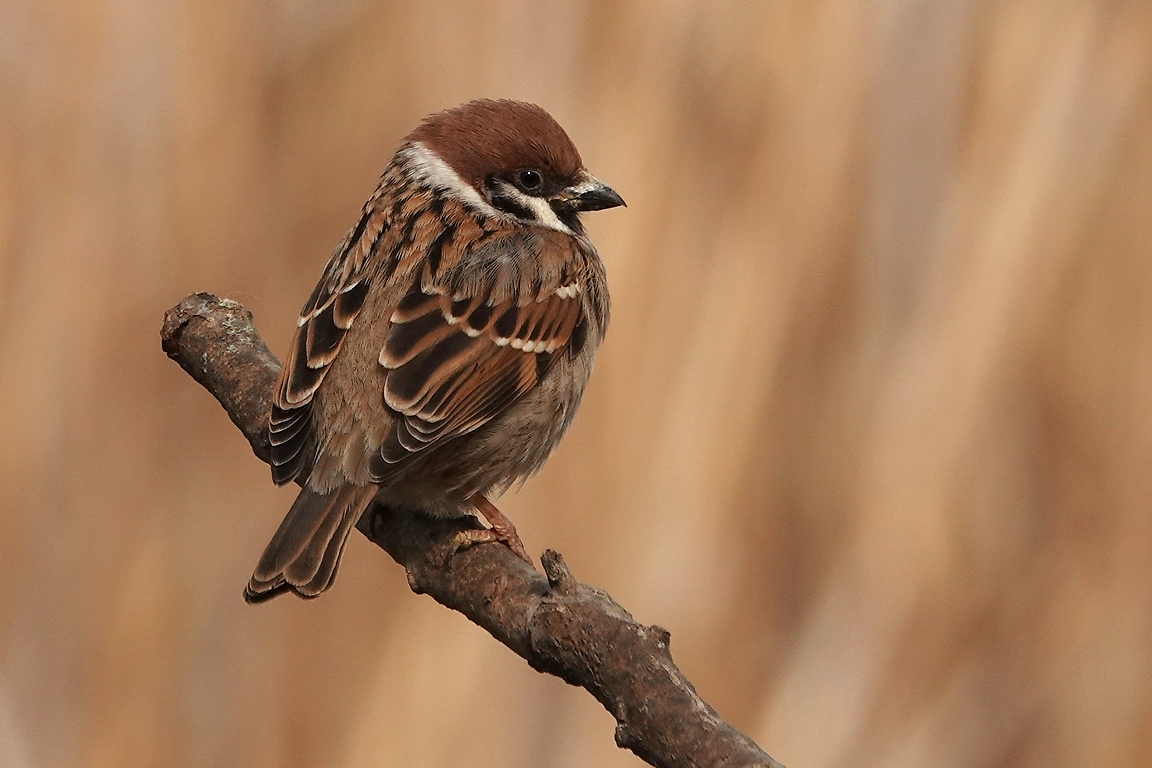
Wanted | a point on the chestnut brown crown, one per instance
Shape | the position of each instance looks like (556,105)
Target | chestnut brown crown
(518,159)
(486,137)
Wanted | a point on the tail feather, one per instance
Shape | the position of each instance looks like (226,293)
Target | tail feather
(302,568)
(326,572)
(305,551)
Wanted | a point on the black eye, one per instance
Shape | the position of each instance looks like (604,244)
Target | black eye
(529,179)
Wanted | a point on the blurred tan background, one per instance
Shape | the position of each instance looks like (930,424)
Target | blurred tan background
(871,433)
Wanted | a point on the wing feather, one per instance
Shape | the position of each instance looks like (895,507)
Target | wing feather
(465,345)
(324,321)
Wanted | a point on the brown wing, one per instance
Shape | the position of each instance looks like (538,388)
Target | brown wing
(463,348)
(320,331)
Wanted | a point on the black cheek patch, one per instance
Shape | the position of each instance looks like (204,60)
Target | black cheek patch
(509,205)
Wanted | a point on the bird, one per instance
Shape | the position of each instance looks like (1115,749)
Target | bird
(444,351)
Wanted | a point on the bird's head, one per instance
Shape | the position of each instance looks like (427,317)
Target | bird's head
(508,157)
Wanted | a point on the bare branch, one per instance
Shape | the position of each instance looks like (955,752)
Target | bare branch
(560,626)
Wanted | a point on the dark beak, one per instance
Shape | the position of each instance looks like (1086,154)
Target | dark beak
(590,194)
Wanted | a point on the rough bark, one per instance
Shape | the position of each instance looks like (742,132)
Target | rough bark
(558,625)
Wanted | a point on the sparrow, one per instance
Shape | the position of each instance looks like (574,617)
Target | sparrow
(444,351)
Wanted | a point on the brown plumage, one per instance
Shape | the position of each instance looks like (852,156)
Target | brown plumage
(444,351)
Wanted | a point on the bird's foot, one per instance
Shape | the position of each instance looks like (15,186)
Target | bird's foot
(502,529)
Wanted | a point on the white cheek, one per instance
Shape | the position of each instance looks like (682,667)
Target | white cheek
(426,166)
(543,212)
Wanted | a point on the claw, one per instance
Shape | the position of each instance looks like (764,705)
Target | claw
(502,529)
